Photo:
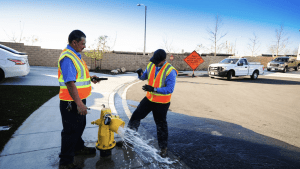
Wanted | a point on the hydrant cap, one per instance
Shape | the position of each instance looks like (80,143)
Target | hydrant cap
(115,124)
(107,119)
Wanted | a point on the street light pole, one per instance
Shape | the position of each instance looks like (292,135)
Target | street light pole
(298,54)
(145,27)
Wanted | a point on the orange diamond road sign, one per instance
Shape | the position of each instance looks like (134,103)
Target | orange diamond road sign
(171,57)
(193,60)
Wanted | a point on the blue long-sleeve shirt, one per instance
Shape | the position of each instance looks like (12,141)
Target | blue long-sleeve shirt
(68,69)
(169,83)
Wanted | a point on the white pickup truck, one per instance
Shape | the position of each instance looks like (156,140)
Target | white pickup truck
(234,67)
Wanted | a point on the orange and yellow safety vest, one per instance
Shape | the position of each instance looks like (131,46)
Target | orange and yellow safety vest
(83,81)
(158,82)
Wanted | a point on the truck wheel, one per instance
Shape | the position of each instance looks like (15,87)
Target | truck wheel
(1,75)
(296,68)
(229,75)
(268,69)
(254,76)
(284,70)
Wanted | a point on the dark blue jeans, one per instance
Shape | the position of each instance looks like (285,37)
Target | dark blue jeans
(160,117)
(73,127)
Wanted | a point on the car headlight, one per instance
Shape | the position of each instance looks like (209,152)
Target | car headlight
(223,68)
(268,64)
(281,65)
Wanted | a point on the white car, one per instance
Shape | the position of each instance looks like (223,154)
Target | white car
(12,63)
(234,67)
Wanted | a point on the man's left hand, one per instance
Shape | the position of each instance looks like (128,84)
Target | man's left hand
(148,88)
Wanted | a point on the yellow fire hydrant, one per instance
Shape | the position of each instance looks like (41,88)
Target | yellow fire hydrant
(108,124)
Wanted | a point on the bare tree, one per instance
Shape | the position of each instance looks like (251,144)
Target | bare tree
(215,36)
(15,38)
(98,49)
(272,49)
(254,45)
(109,44)
(102,43)
(295,51)
(200,48)
(287,52)
(167,45)
(281,40)
(19,38)
(31,40)
(229,48)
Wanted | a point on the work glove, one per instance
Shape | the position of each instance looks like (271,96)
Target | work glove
(148,88)
(139,71)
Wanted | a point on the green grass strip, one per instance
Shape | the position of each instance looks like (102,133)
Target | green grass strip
(18,103)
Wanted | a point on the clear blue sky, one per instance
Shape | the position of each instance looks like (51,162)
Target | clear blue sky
(183,24)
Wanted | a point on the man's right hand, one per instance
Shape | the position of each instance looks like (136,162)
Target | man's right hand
(139,71)
(82,109)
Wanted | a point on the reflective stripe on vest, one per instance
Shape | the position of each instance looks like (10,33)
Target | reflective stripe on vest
(83,82)
(158,82)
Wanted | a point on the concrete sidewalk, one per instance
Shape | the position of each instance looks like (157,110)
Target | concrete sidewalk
(36,144)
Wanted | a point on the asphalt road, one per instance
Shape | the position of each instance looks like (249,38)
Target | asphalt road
(243,123)
(215,123)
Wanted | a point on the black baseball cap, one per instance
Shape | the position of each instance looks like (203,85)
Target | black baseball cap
(158,56)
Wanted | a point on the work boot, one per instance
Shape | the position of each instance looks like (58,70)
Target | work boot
(69,166)
(86,151)
(163,152)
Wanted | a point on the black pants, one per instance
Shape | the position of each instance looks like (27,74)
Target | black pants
(160,117)
(73,127)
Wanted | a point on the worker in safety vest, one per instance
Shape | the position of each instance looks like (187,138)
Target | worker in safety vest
(75,86)
(161,77)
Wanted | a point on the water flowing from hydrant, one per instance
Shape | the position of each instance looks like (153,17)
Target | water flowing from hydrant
(142,147)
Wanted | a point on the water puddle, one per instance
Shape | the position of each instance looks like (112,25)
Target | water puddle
(4,128)
(143,148)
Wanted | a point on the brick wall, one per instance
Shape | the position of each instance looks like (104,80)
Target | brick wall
(38,56)
(263,60)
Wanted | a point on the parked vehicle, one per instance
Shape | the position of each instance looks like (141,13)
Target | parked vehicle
(283,64)
(12,63)
(234,67)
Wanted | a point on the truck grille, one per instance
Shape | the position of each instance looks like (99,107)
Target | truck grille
(274,64)
(214,68)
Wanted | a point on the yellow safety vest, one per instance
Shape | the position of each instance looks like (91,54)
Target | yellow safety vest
(83,81)
(158,82)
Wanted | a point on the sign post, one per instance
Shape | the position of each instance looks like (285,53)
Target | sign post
(194,60)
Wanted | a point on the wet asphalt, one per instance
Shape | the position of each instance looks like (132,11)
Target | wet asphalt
(36,144)
(208,143)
